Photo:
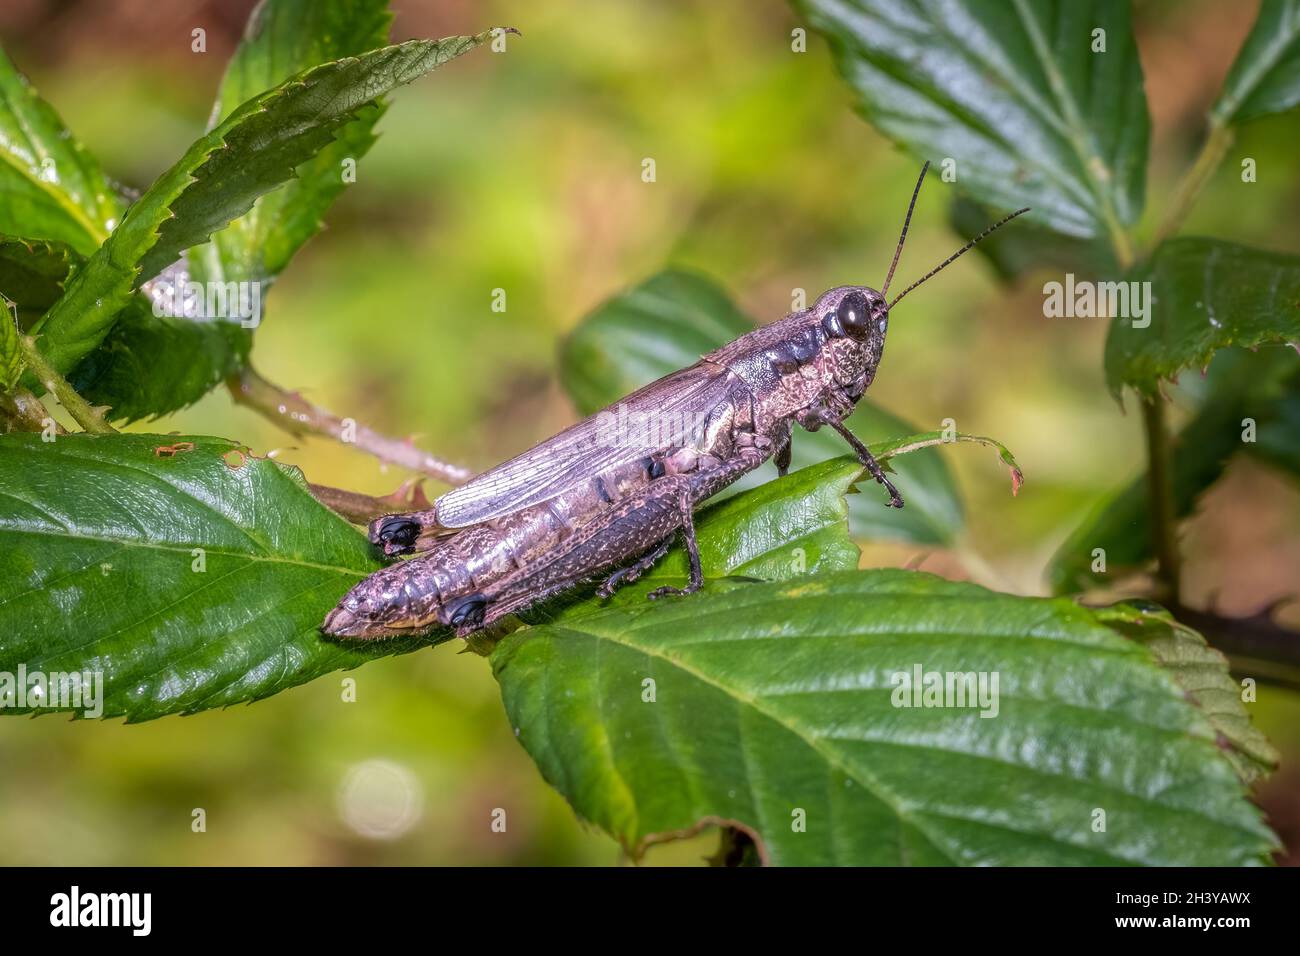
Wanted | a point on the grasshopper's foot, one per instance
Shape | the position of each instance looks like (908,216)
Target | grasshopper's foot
(895,499)
(782,458)
(696,580)
(615,581)
(868,460)
(667,591)
(633,571)
(622,576)
(878,473)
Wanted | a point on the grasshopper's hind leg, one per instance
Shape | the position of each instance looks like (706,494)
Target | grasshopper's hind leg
(614,537)
(703,485)
(696,580)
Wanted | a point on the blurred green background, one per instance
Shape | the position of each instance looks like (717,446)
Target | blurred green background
(523,171)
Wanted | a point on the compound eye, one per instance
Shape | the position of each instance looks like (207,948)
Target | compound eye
(852,314)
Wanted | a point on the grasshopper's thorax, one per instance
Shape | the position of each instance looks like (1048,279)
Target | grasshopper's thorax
(813,364)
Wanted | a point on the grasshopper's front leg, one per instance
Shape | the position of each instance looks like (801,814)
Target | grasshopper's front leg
(782,456)
(867,459)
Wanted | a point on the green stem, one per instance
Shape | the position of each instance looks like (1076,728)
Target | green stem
(81,411)
(1160,499)
(1122,245)
(1212,153)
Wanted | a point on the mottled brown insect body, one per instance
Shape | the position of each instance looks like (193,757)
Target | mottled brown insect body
(610,493)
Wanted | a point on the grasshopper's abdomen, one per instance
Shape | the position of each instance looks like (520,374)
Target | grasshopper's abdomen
(440,586)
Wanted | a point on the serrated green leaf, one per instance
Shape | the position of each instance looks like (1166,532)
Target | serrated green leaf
(149,365)
(1009,90)
(284,37)
(33,272)
(1265,77)
(11,357)
(1240,386)
(771,706)
(152,365)
(1205,295)
(251,152)
(668,321)
(1202,673)
(97,571)
(51,187)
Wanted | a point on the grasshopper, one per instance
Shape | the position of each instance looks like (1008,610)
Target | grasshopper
(595,500)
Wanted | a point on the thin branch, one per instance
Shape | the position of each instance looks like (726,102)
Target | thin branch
(362,509)
(1160,500)
(22,411)
(88,417)
(1212,153)
(298,416)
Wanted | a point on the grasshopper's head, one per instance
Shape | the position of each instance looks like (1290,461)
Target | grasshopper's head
(853,321)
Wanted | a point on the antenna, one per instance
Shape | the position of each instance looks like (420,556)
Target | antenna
(952,258)
(898,251)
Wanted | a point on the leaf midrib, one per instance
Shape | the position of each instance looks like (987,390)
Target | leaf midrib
(1078,136)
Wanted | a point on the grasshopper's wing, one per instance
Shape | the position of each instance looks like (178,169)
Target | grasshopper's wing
(679,402)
